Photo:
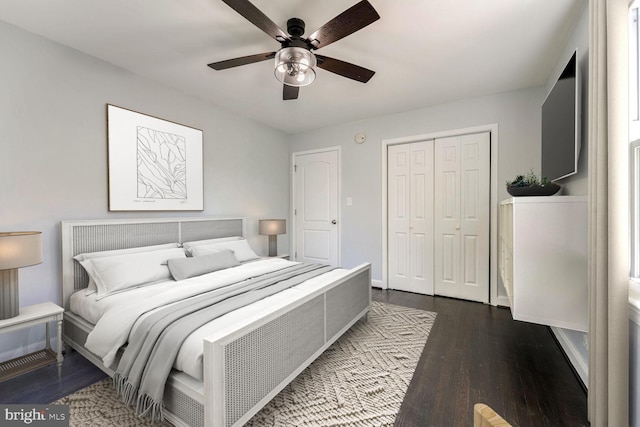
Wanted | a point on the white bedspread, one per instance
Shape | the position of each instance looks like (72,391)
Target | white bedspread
(116,315)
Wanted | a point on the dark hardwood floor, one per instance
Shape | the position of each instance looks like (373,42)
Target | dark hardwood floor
(475,353)
(43,385)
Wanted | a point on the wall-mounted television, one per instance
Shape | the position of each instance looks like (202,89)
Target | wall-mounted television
(561,124)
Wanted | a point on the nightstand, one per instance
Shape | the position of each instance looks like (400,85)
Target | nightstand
(30,316)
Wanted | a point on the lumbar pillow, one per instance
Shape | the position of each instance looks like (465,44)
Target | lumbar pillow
(183,268)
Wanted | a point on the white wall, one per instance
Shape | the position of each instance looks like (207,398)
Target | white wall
(576,185)
(516,113)
(573,342)
(53,147)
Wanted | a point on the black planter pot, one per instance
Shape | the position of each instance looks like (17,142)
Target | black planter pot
(534,190)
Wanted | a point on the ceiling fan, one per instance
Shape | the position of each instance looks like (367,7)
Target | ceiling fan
(295,62)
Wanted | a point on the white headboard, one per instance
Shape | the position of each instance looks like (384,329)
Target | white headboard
(103,235)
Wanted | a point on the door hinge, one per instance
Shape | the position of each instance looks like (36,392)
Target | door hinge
(295,211)
(295,168)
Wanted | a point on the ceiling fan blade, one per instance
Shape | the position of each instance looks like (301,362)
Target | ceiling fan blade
(290,92)
(345,69)
(236,62)
(257,18)
(348,22)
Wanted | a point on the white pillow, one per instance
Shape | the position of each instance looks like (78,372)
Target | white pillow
(121,272)
(240,248)
(184,268)
(91,288)
(188,245)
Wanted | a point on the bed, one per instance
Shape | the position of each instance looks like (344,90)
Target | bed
(251,355)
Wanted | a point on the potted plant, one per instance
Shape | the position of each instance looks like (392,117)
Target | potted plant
(530,185)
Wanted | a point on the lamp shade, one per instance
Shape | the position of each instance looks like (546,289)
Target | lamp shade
(295,66)
(272,227)
(20,249)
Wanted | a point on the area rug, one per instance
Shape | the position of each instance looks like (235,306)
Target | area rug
(360,380)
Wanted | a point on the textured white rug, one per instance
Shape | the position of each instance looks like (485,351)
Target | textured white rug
(360,380)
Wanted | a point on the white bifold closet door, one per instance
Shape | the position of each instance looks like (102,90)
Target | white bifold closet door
(410,217)
(438,216)
(462,216)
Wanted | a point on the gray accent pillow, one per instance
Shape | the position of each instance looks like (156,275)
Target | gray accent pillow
(184,268)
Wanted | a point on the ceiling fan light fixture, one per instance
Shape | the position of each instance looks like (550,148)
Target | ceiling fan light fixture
(295,66)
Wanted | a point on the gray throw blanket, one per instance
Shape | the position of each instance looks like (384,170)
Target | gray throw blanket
(154,345)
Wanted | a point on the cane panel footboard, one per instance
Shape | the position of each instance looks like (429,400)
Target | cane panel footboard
(246,368)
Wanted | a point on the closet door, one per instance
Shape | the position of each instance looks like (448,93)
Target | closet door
(462,212)
(410,217)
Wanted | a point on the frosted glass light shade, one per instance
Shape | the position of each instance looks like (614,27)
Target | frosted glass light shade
(272,227)
(295,66)
(20,249)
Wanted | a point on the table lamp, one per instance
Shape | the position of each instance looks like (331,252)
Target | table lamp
(17,249)
(273,227)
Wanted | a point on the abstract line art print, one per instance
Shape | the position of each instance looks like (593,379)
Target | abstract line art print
(154,164)
(162,165)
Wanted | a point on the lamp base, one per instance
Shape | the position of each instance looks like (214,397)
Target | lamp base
(9,292)
(273,245)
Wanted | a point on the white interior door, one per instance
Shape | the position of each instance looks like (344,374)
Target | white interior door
(410,217)
(462,213)
(316,207)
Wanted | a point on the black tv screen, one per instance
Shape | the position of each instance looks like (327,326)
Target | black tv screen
(560,125)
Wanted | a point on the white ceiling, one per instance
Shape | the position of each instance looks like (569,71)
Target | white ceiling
(424,52)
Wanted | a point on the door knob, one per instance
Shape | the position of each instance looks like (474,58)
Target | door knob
(334,222)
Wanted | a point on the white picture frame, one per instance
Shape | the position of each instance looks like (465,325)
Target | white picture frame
(154,164)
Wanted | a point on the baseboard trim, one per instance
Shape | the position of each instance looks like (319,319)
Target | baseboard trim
(634,301)
(501,301)
(580,366)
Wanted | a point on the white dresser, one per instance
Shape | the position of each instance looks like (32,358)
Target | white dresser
(543,259)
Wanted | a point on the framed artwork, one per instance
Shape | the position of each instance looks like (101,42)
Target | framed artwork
(154,164)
